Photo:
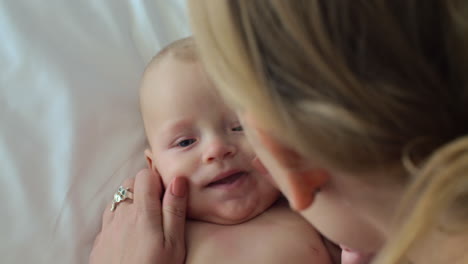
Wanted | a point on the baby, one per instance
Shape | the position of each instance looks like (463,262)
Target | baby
(234,212)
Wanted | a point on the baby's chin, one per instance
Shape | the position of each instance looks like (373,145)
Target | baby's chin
(229,216)
(226,219)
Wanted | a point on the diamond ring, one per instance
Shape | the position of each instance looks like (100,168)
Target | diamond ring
(121,195)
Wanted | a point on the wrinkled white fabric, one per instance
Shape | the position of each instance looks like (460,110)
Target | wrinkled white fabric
(70,128)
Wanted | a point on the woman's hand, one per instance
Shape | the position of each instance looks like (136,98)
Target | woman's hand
(144,230)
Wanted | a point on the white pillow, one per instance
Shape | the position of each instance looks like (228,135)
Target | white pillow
(70,127)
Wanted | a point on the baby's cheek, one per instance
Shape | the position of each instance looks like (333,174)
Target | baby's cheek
(172,166)
(166,179)
(167,172)
(246,150)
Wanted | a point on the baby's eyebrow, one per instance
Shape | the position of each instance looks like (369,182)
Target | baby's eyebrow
(174,126)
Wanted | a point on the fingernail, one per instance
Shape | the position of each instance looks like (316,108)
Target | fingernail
(179,187)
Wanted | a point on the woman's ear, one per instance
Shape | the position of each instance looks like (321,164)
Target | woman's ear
(149,159)
(301,181)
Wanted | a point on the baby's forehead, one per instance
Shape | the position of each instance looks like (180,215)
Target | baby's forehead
(173,78)
(179,87)
(182,50)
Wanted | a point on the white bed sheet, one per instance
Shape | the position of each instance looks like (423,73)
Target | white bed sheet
(70,129)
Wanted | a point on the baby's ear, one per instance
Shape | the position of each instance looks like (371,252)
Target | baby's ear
(152,167)
(149,159)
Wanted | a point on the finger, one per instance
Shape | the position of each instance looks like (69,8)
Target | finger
(147,196)
(108,215)
(120,208)
(174,211)
(129,183)
(96,240)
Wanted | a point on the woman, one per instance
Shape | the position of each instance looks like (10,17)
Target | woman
(358,109)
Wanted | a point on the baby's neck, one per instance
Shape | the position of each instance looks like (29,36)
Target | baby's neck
(281,202)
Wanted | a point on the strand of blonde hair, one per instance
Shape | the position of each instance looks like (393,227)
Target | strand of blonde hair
(440,189)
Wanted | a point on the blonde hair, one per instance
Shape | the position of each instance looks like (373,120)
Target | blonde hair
(362,84)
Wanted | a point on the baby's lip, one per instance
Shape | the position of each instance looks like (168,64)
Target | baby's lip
(223,175)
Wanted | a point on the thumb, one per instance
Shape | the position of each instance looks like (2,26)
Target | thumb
(174,211)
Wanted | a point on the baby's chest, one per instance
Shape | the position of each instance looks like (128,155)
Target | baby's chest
(227,244)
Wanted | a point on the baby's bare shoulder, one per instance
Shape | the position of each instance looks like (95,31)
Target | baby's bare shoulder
(277,236)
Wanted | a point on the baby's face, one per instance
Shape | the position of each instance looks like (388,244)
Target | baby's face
(192,133)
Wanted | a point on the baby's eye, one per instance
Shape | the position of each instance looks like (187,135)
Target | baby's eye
(186,142)
(238,128)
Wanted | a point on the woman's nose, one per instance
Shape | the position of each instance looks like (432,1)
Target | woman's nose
(219,150)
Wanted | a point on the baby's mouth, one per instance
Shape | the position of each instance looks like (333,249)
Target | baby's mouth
(228,179)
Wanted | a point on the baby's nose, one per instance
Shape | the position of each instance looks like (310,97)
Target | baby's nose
(219,150)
